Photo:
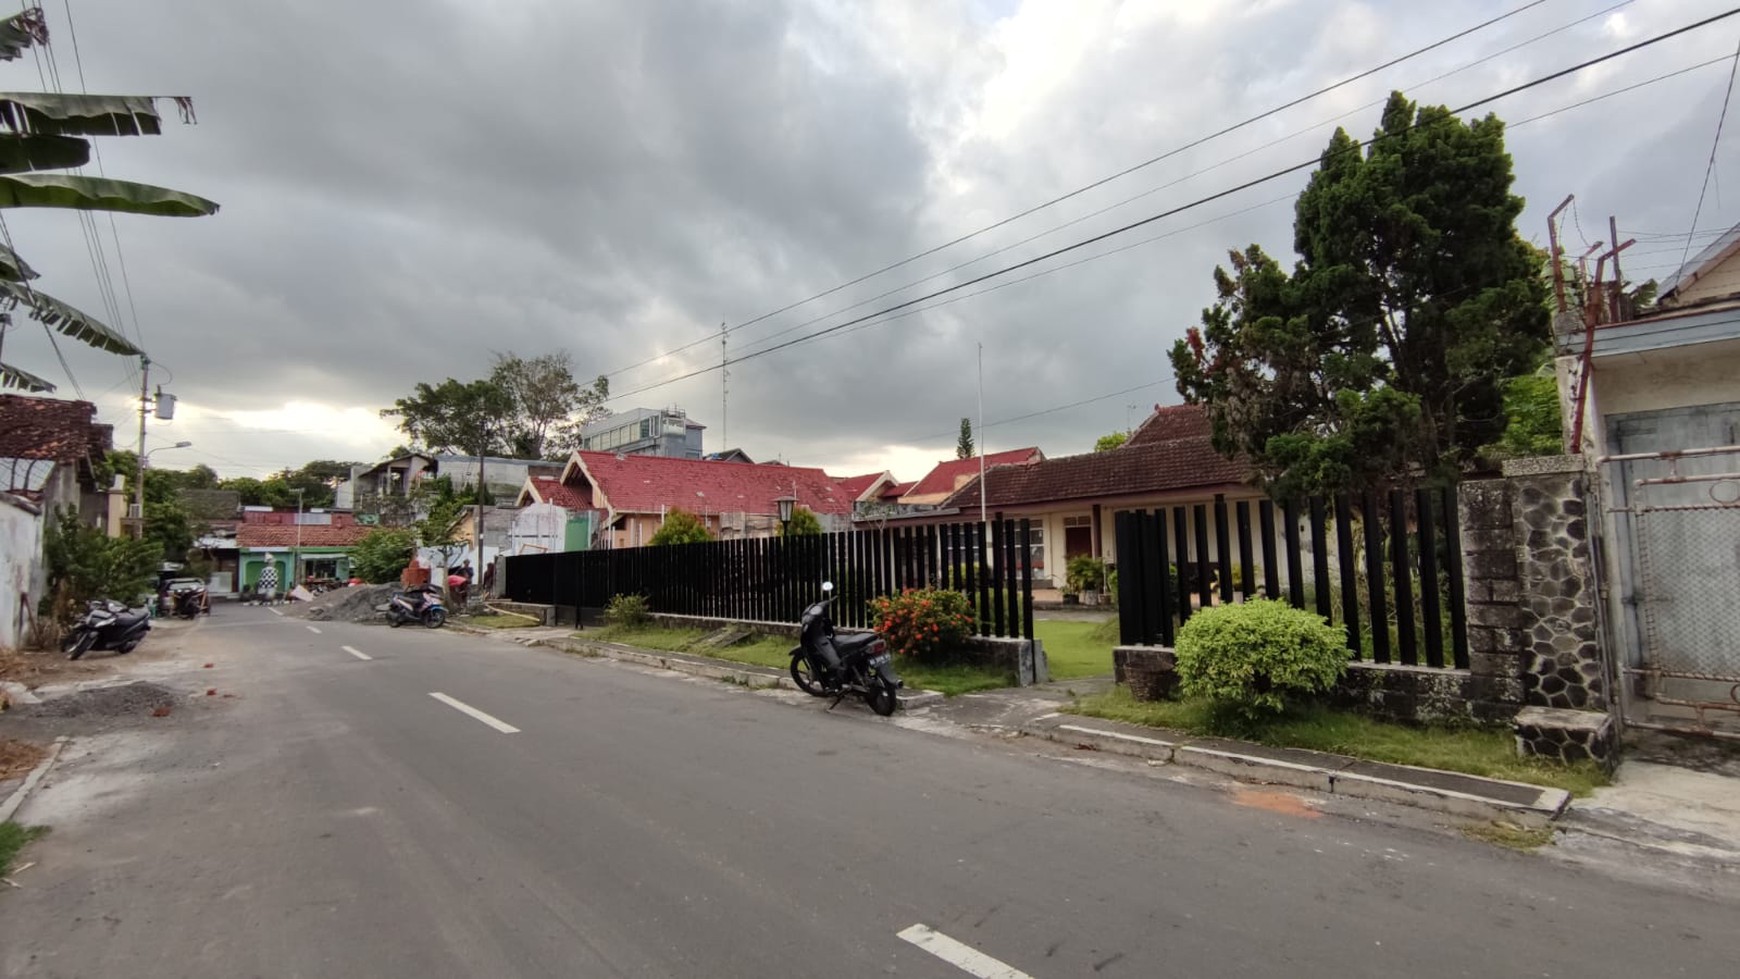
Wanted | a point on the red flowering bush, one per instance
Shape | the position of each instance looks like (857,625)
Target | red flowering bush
(924,623)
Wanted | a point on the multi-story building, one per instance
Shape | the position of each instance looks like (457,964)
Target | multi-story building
(664,432)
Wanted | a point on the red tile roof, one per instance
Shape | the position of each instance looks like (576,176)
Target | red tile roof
(942,479)
(856,485)
(1172,422)
(49,428)
(649,484)
(551,489)
(284,535)
(1155,467)
(898,490)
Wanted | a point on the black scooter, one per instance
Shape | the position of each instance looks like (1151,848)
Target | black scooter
(107,624)
(864,664)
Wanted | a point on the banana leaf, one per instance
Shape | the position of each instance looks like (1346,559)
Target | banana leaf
(71,114)
(13,268)
(20,31)
(22,153)
(97,194)
(21,380)
(68,321)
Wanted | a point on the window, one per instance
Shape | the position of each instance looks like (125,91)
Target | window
(646,428)
(1036,547)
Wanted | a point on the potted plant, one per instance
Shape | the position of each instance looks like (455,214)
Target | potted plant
(1071,593)
(1087,575)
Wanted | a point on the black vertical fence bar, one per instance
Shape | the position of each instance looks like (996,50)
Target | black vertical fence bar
(1271,566)
(1011,578)
(1181,560)
(1158,561)
(1349,572)
(897,559)
(1453,565)
(1320,561)
(1374,578)
(957,559)
(1431,618)
(763,582)
(1204,587)
(858,570)
(873,563)
(982,579)
(1295,559)
(995,574)
(1402,569)
(1027,578)
(1223,548)
(1247,559)
(932,577)
(1132,579)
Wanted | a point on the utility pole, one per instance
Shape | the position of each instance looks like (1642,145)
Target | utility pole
(724,387)
(139,481)
(296,555)
(981,433)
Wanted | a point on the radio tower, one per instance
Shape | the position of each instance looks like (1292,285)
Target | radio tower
(724,388)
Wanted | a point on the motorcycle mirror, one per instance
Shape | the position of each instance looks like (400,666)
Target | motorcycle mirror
(827,586)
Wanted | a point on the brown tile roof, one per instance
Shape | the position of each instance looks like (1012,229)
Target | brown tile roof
(942,478)
(1170,423)
(284,535)
(49,428)
(649,484)
(856,485)
(1155,467)
(553,490)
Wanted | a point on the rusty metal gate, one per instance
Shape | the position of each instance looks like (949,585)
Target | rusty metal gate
(1674,567)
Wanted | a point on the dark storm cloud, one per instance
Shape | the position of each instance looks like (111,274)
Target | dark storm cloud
(408,187)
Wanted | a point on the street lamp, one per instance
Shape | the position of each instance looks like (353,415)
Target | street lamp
(785,504)
(139,490)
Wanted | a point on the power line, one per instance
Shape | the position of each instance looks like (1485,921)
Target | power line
(1101,181)
(1629,49)
(1710,166)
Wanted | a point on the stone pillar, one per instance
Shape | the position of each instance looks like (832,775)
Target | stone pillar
(1563,664)
(1492,586)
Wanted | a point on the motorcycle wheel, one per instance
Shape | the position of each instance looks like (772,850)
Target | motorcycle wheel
(433,618)
(880,696)
(394,620)
(82,644)
(128,646)
(803,675)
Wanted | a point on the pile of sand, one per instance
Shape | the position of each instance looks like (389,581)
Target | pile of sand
(355,604)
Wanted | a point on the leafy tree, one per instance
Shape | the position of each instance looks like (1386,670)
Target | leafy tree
(681,527)
(1383,355)
(472,418)
(382,555)
(168,522)
(964,444)
(84,564)
(549,406)
(1107,443)
(439,529)
(171,527)
(1535,428)
(804,523)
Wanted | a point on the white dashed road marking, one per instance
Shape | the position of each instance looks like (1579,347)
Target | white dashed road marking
(359,654)
(963,957)
(275,611)
(314,630)
(467,709)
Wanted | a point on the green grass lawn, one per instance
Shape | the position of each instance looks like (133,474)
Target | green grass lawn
(775,652)
(500,621)
(12,839)
(1077,649)
(1474,751)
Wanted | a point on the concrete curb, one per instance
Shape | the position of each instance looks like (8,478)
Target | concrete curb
(16,799)
(1329,774)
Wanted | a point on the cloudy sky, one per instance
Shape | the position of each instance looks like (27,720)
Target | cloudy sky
(408,187)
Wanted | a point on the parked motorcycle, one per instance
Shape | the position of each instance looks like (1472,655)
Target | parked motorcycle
(826,665)
(184,598)
(420,604)
(107,624)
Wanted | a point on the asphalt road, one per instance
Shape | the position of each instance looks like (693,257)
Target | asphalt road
(336,819)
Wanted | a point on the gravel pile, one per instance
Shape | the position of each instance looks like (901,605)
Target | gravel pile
(125,700)
(345,604)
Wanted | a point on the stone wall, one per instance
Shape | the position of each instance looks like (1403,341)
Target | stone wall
(1530,583)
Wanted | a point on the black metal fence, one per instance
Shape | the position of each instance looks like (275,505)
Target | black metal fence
(774,579)
(1386,567)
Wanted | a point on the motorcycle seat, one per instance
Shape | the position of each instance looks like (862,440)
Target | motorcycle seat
(855,642)
(130,617)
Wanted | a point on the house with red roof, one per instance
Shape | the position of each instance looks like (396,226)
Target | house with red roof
(50,451)
(1072,500)
(947,477)
(633,493)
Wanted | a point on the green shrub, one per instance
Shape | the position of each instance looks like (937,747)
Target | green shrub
(1085,573)
(924,623)
(627,610)
(1251,656)
(681,527)
(85,563)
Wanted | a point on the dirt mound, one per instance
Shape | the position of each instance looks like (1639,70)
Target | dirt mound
(344,604)
(123,700)
(17,758)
